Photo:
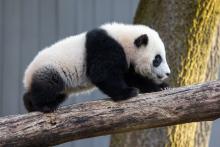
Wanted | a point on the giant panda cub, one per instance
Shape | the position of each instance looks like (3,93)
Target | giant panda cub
(119,59)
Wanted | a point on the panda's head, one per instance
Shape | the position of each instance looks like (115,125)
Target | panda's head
(150,56)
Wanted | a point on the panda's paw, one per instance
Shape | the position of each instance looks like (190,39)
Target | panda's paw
(164,86)
(126,93)
(45,108)
(131,92)
(167,88)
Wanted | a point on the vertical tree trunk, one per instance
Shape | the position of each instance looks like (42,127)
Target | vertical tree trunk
(188,29)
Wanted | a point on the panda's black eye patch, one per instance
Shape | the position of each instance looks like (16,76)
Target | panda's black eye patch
(157,60)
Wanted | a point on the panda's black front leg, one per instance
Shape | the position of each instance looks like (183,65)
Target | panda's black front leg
(144,84)
(115,87)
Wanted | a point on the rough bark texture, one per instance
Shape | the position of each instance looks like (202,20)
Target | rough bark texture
(187,28)
(203,130)
(174,106)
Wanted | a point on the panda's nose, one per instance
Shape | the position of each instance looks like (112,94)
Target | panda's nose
(168,74)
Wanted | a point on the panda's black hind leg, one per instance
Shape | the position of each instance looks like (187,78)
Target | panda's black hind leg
(42,105)
(27,102)
(45,93)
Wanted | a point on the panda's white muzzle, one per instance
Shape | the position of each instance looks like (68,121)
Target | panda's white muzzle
(161,72)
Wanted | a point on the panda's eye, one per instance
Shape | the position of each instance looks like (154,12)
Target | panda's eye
(157,60)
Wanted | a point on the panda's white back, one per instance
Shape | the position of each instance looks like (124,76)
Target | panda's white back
(67,57)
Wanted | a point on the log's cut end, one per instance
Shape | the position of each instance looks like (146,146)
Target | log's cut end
(169,107)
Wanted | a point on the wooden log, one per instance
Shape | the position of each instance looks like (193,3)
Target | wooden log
(95,118)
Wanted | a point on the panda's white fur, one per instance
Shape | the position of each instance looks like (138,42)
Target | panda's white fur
(68,58)
(69,54)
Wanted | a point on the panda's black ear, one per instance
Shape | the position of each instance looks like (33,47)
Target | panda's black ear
(141,40)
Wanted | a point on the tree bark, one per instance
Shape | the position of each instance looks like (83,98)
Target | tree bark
(204,128)
(188,31)
(174,106)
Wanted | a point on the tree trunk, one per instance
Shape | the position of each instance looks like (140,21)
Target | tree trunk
(188,29)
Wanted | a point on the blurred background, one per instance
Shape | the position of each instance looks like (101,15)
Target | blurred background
(27,26)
